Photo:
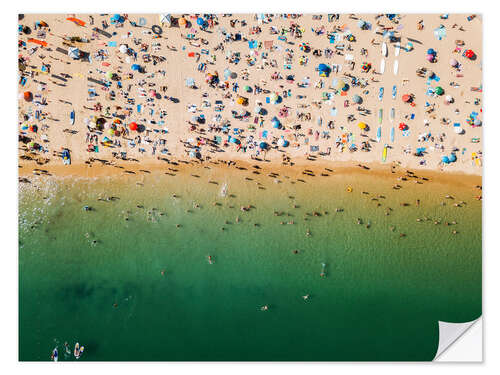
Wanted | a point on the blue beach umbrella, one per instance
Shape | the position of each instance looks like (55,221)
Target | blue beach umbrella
(453,157)
(445,159)
(200,21)
(136,67)
(263,145)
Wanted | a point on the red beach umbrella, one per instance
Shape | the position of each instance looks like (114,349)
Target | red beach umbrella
(28,96)
(406,98)
(133,126)
(469,53)
(402,126)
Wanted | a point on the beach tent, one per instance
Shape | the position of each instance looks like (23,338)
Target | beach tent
(74,53)
(166,19)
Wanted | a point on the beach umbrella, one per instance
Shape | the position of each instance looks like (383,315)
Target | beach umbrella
(257,109)
(133,126)
(445,159)
(439,90)
(469,54)
(430,57)
(263,145)
(340,84)
(200,21)
(152,93)
(111,131)
(166,19)
(247,88)
(453,62)
(109,75)
(227,73)
(123,48)
(136,67)
(361,24)
(28,96)
(357,99)
(362,125)
(106,139)
(276,123)
(31,144)
(74,53)
(233,75)
(431,51)
(182,21)
(274,97)
(449,98)
(402,126)
(282,142)
(477,121)
(452,157)
(192,154)
(240,100)
(406,98)
(117,18)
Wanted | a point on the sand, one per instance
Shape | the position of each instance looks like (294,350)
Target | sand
(178,67)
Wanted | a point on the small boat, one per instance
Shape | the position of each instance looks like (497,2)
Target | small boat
(382,66)
(394,91)
(384,49)
(396,67)
(379,133)
(384,153)
(55,355)
(380,93)
(380,113)
(397,49)
(72,118)
(392,135)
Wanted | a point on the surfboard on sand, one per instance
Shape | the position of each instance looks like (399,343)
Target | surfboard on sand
(384,153)
(397,49)
(380,93)
(396,67)
(379,133)
(392,114)
(380,113)
(392,135)
(384,49)
(382,66)
(394,91)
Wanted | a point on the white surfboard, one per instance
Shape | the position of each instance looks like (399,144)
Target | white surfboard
(396,67)
(397,49)
(384,49)
(382,66)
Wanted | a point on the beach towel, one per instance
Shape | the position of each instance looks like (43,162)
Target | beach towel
(111,44)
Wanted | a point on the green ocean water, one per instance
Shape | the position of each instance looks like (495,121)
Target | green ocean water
(381,297)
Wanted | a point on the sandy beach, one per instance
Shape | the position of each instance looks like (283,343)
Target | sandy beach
(272,59)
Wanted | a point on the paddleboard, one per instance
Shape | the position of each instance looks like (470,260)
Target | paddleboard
(380,112)
(382,66)
(55,355)
(394,91)
(392,135)
(396,67)
(379,133)
(384,153)
(384,49)
(392,114)
(380,93)
(397,49)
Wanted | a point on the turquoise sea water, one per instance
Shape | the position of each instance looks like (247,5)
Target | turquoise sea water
(381,298)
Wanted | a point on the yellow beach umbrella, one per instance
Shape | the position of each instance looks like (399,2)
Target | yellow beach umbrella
(362,125)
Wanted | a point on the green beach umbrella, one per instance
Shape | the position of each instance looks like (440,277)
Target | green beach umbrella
(439,90)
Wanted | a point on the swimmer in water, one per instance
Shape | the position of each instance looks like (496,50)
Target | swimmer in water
(306,297)
(210,261)
(264,308)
